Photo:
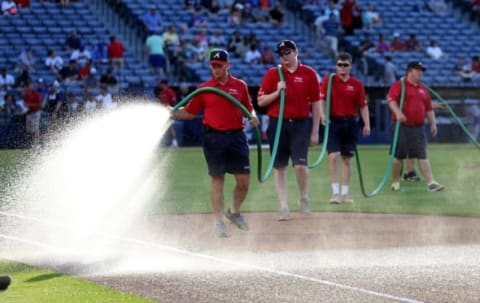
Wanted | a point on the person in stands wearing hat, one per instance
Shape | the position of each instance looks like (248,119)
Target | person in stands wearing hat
(347,97)
(33,101)
(225,145)
(412,139)
(301,85)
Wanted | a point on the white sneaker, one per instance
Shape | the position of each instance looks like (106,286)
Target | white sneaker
(284,214)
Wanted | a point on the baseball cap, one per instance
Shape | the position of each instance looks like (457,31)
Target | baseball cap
(416,65)
(219,56)
(286,44)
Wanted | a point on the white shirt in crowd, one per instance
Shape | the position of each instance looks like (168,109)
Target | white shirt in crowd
(105,101)
(56,62)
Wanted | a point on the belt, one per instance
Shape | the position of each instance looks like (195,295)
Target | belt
(209,129)
(292,119)
(342,117)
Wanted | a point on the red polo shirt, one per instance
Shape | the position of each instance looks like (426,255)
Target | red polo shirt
(220,113)
(346,96)
(167,97)
(33,101)
(417,102)
(115,50)
(301,90)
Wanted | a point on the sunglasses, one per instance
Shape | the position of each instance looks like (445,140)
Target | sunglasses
(286,53)
(343,64)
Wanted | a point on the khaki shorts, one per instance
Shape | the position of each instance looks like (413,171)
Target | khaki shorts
(33,122)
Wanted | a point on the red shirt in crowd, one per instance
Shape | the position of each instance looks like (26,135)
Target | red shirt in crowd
(220,113)
(22,3)
(302,89)
(416,104)
(346,96)
(33,101)
(167,97)
(115,49)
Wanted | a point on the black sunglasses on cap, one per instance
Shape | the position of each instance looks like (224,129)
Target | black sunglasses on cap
(285,53)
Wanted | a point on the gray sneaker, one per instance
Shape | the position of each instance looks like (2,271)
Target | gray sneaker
(434,186)
(221,229)
(284,214)
(236,219)
(304,205)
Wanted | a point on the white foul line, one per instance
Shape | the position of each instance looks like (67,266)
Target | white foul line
(211,258)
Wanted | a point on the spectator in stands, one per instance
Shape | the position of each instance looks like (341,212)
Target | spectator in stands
(33,101)
(235,16)
(268,56)
(170,38)
(202,38)
(179,59)
(22,3)
(9,8)
(217,40)
(476,65)
(108,79)
(382,45)
(6,82)
(81,55)
(252,56)
(22,80)
(325,15)
(213,7)
(156,55)
(331,31)
(475,11)
(371,17)
(64,3)
(192,4)
(90,81)
(276,15)
(153,20)
(346,16)
(85,70)
(42,88)
(463,69)
(53,61)
(10,109)
(115,52)
(73,41)
(26,60)
(397,45)
(90,105)
(434,51)
(104,98)
(69,73)
(167,97)
(198,51)
(365,46)
(197,19)
(55,104)
(389,71)
(412,44)
(99,53)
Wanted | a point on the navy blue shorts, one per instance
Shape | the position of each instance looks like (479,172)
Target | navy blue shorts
(157,61)
(226,152)
(412,142)
(343,136)
(294,141)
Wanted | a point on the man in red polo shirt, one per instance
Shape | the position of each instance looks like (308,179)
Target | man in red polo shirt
(301,84)
(225,144)
(115,52)
(347,96)
(412,141)
(33,101)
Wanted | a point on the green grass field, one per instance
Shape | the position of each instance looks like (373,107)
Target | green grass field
(186,190)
